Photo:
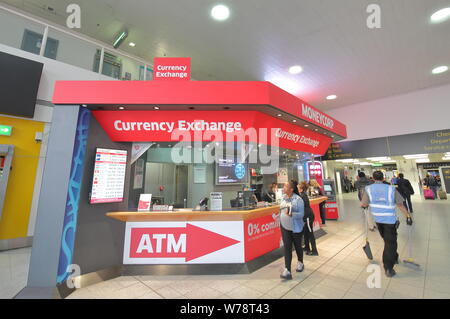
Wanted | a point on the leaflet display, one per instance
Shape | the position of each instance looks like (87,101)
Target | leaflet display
(109,176)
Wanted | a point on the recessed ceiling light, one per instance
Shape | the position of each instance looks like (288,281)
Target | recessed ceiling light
(440,69)
(220,12)
(278,115)
(121,108)
(332,97)
(294,121)
(156,107)
(316,130)
(296,69)
(132,44)
(306,125)
(440,15)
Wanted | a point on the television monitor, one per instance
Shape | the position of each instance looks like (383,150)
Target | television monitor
(109,176)
(19,84)
(327,188)
(230,172)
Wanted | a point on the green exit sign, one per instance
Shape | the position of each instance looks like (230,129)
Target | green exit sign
(5,130)
(377,164)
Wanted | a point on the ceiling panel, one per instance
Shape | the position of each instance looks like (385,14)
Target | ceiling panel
(329,38)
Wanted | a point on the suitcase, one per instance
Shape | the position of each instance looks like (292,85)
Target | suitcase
(442,194)
(428,194)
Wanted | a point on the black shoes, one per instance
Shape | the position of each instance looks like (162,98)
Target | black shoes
(390,273)
(312,253)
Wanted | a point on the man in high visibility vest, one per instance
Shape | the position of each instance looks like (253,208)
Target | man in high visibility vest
(383,200)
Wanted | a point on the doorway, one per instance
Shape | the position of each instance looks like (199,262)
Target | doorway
(181,186)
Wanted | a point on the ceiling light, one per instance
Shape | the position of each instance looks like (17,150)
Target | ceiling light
(440,15)
(388,161)
(121,108)
(220,12)
(294,121)
(296,69)
(306,125)
(120,39)
(278,115)
(384,158)
(132,44)
(440,69)
(332,97)
(156,107)
(414,156)
(446,158)
(423,160)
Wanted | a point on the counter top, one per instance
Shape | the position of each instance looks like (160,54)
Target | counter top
(191,215)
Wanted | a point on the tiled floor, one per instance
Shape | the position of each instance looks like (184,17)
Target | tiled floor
(339,272)
(13,271)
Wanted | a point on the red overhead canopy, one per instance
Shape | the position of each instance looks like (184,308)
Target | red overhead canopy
(264,95)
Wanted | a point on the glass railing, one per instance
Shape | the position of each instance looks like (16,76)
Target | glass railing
(30,34)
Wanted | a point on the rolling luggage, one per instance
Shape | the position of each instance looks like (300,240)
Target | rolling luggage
(442,194)
(428,194)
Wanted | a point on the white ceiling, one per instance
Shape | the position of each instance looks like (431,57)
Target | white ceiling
(263,38)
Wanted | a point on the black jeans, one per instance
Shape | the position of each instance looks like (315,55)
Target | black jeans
(309,236)
(407,203)
(389,234)
(322,212)
(290,238)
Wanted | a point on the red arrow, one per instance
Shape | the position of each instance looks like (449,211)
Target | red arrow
(190,242)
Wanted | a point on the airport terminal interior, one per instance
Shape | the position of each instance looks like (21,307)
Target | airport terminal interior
(224,149)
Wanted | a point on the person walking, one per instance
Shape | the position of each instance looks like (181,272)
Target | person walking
(383,200)
(316,189)
(432,183)
(308,219)
(292,210)
(360,185)
(406,190)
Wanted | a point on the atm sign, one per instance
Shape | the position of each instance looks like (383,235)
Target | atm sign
(5,130)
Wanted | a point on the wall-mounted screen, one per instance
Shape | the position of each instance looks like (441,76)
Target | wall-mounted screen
(109,176)
(19,83)
(229,172)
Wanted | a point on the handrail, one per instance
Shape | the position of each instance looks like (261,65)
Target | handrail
(84,38)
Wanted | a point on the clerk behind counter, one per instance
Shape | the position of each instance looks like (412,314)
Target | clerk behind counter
(270,195)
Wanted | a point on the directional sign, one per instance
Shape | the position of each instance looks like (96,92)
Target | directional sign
(5,130)
(178,243)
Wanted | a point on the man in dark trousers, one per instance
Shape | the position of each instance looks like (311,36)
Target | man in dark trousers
(406,190)
(383,200)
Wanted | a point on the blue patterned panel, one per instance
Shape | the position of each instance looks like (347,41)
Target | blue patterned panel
(73,195)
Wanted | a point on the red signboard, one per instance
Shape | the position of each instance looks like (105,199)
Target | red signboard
(177,126)
(315,171)
(172,69)
(197,93)
(261,235)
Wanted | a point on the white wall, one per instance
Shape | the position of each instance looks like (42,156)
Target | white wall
(55,71)
(52,71)
(415,112)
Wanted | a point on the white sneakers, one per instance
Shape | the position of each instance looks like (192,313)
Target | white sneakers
(286,274)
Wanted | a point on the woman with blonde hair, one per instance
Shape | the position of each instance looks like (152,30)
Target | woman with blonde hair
(316,190)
